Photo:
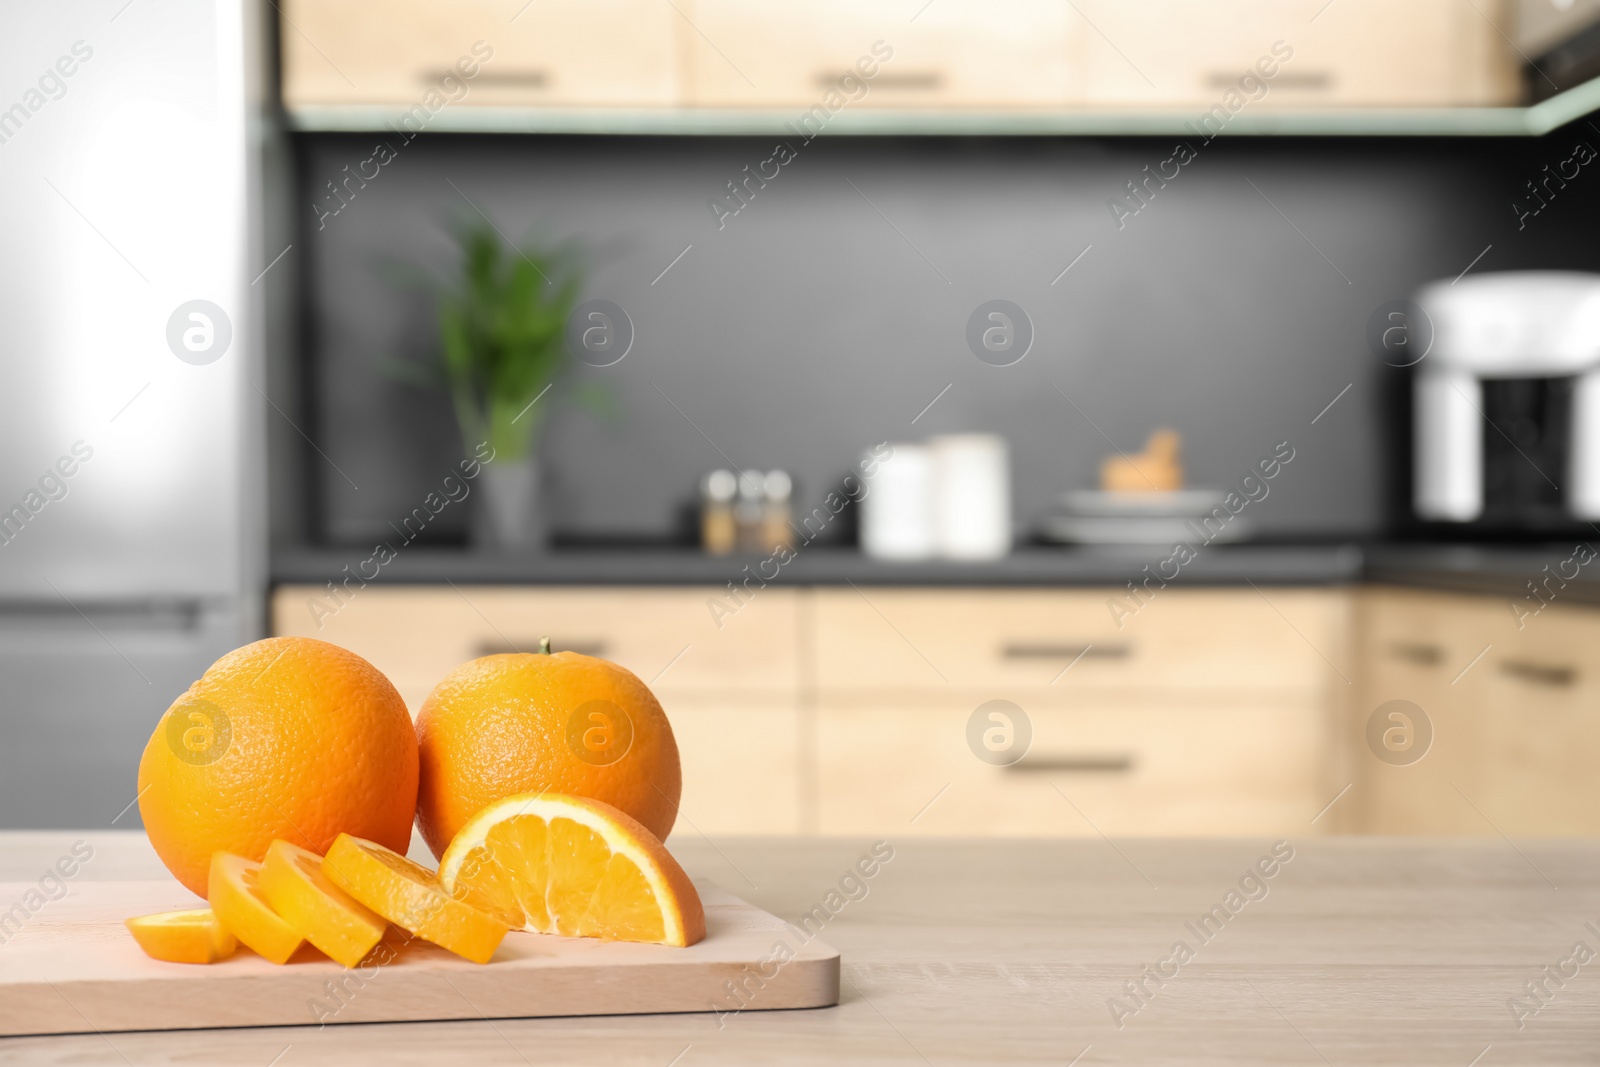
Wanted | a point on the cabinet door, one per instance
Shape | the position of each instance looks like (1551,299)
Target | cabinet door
(949,53)
(668,637)
(1211,765)
(1351,53)
(1431,650)
(1285,642)
(741,765)
(619,53)
(1542,695)
(1170,53)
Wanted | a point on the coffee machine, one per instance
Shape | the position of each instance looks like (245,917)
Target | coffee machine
(1507,402)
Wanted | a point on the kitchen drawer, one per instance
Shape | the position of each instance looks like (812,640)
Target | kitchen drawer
(1201,766)
(1541,697)
(891,640)
(957,53)
(1357,53)
(741,766)
(1515,737)
(1424,648)
(619,53)
(417,634)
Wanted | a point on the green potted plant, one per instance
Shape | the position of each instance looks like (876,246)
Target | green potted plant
(502,346)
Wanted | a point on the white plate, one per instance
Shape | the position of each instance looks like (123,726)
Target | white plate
(1179,503)
(1156,530)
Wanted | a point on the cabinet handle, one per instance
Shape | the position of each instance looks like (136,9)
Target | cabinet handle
(1082,764)
(1421,655)
(1539,673)
(1045,650)
(919,80)
(586,648)
(525,79)
(1320,80)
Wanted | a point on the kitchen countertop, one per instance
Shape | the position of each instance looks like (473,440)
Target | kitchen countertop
(1498,570)
(1027,566)
(1354,950)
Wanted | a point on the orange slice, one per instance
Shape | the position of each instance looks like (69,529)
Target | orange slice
(183,936)
(292,881)
(568,865)
(408,895)
(234,893)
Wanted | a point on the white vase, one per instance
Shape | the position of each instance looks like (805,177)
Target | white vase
(508,516)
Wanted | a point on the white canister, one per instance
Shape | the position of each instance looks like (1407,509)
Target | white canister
(972,496)
(897,510)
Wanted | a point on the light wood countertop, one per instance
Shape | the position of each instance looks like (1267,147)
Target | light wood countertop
(1370,951)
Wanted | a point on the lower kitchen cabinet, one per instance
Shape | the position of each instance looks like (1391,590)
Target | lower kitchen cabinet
(741,772)
(1209,711)
(1512,707)
(667,636)
(832,711)
(1113,764)
(1542,737)
(1420,679)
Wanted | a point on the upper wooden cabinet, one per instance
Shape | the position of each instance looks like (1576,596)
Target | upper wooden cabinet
(882,53)
(557,53)
(1240,55)
(806,64)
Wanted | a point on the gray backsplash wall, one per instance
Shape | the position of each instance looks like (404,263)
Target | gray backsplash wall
(832,309)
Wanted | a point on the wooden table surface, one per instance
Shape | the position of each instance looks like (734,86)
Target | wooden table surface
(1355,950)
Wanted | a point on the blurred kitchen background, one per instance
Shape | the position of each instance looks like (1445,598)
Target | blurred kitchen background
(1060,417)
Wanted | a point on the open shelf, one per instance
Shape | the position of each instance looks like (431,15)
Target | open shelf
(1533,121)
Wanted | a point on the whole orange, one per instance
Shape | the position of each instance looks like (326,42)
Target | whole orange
(543,722)
(288,737)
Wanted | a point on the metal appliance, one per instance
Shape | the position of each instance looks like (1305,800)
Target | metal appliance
(132,545)
(1507,401)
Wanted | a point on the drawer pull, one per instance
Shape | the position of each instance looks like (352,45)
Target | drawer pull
(1421,655)
(1039,650)
(921,80)
(586,648)
(523,79)
(1306,80)
(1086,764)
(1539,673)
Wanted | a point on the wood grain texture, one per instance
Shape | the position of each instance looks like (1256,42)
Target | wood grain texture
(902,642)
(1508,689)
(74,967)
(561,53)
(1370,951)
(669,637)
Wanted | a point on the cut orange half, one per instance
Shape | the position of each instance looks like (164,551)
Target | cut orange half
(233,890)
(183,936)
(408,895)
(292,880)
(558,864)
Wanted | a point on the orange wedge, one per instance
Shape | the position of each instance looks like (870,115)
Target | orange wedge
(233,890)
(292,881)
(183,936)
(558,864)
(408,895)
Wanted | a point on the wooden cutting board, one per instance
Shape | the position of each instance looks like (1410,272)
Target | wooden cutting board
(72,967)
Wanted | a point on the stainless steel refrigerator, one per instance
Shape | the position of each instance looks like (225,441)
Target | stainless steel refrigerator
(132,541)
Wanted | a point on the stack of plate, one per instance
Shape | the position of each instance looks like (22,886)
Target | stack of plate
(1092,517)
